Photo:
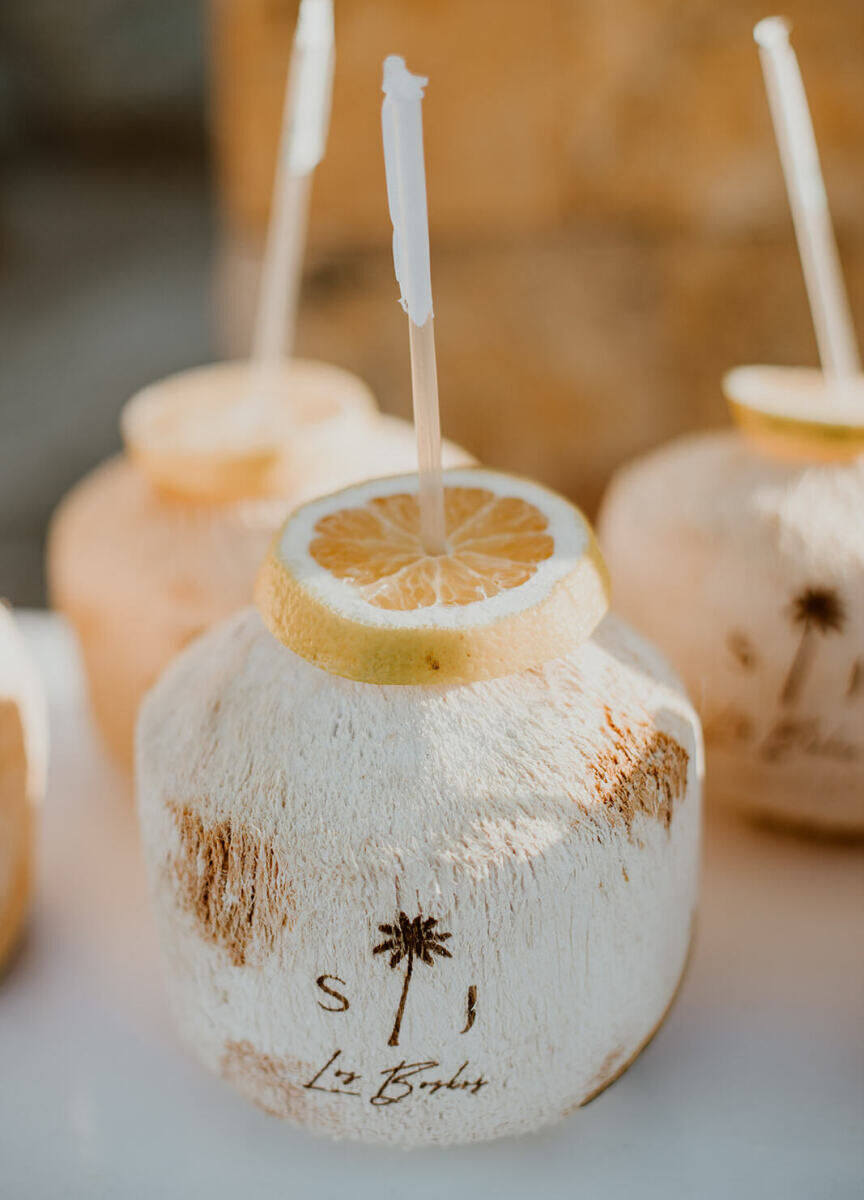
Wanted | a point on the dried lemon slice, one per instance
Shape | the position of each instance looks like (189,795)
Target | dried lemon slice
(194,438)
(791,412)
(348,586)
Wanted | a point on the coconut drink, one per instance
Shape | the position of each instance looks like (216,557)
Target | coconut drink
(23,755)
(742,553)
(155,546)
(753,583)
(423,849)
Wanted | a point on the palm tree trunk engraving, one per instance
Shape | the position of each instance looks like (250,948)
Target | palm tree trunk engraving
(471,1011)
(856,678)
(798,669)
(813,610)
(397,1024)
(409,940)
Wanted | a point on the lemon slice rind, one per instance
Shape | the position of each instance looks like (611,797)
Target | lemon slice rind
(789,412)
(327,620)
(193,437)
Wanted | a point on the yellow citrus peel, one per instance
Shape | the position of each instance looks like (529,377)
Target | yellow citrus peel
(348,586)
(793,412)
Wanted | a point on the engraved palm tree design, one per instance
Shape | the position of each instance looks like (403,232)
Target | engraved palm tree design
(814,610)
(410,940)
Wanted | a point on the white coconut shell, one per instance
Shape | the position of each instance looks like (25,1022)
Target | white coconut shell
(23,754)
(140,574)
(548,822)
(711,546)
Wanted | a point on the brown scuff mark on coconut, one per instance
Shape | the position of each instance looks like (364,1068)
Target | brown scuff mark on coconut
(613,1065)
(642,771)
(274,1084)
(232,883)
(607,1069)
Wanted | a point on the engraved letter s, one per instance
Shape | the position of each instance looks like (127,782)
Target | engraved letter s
(343,1000)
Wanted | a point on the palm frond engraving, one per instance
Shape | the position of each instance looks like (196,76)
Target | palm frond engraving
(856,678)
(409,940)
(814,610)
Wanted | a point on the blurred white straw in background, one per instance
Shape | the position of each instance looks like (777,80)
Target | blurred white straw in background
(829,303)
(306,116)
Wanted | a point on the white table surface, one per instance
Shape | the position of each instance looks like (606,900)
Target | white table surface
(754,1086)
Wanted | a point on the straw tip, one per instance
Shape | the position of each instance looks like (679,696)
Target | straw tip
(315,23)
(772,31)
(398,81)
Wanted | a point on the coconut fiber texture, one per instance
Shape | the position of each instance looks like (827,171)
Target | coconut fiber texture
(419,914)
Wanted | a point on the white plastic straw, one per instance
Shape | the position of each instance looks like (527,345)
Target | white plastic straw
(793,126)
(402,127)
(305,119)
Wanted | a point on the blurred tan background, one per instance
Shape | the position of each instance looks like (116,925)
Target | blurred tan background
(609,226)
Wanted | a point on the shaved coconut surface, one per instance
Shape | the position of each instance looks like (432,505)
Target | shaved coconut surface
(539,833)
